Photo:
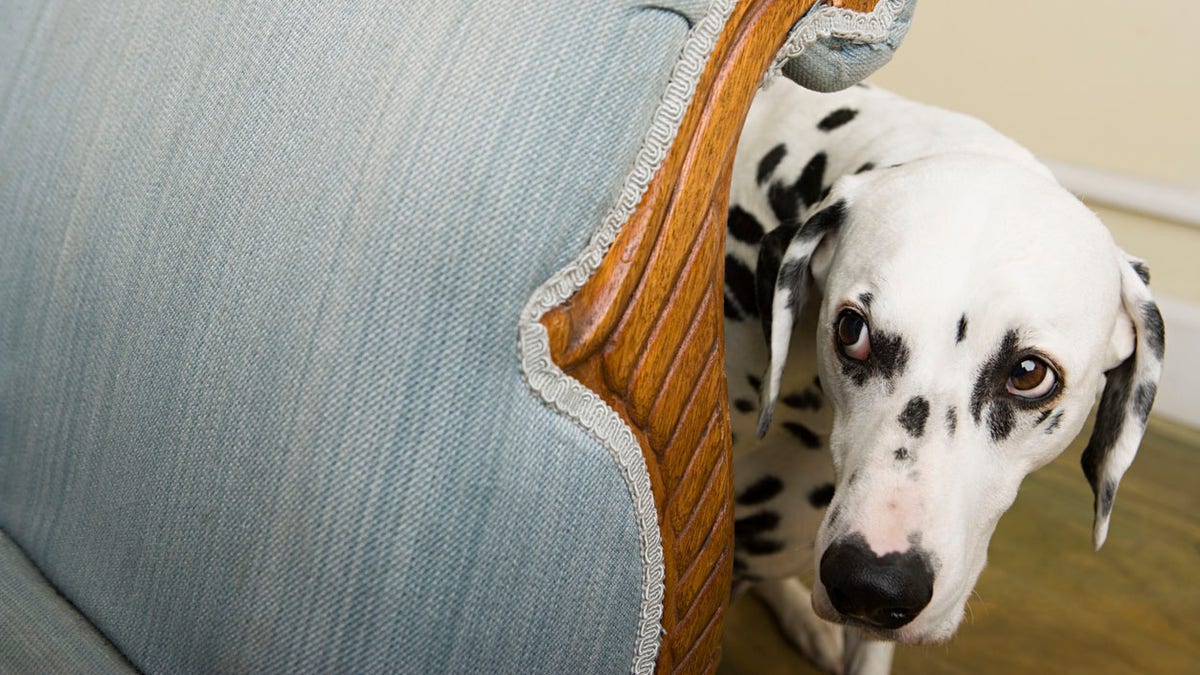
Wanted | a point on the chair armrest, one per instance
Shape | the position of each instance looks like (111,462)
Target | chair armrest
(646,332)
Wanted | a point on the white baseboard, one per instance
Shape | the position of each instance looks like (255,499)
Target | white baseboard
(1179,390)
(1165,201)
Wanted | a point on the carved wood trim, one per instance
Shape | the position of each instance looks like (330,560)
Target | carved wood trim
(646,333)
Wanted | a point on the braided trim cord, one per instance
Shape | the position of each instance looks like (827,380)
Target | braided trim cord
(567,395)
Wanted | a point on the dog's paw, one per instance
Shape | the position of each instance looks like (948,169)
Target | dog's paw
(821,642)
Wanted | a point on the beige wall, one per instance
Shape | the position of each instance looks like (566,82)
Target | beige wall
(1090,82)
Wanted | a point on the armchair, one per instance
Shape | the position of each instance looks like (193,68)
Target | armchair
(377,337)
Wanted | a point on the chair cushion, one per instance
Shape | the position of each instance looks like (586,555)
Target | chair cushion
(42,632)
(260,405)
(833,48)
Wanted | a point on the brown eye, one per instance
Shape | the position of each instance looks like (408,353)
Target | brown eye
(854,339)
(1031,378)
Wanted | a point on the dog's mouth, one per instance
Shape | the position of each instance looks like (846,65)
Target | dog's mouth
(903,636)
(919,632)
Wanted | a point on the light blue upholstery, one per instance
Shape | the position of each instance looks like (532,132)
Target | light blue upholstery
(39,631)
(848,47)
(260,272)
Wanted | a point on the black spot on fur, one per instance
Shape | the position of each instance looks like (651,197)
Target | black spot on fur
(913,417)
(770,254)
(1042,418)
(1000,420)
(821,496)
(962,329)
(758,546)
(744,226)
(762,490)
(901,454)
(771,160)
(828,219)
(1143,399)
(787,200)
(754,526)
(791,277)
(804,400)
(1110,420)
(806,436)
(784,201)
(740,281)
(1107,497)
(743,405)
(1155,334)
(865,299)
(1054,422)
(836,119)
(888,353)
(853,478)
(865,168)
(889,358)
(731,310)
(748,533)
(1140,269)
(952,419)
(754,382)
(993,374)
(812,180)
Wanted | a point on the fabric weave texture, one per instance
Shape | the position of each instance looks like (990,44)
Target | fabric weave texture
(260,407)
(40,632)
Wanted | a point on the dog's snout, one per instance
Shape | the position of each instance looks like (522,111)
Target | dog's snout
(883,591)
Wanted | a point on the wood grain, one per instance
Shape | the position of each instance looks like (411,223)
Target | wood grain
(646,333)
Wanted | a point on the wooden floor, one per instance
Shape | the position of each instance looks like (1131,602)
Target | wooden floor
(1046,602)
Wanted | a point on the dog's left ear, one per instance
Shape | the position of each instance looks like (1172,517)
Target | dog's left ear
(1129,391)
(782,279)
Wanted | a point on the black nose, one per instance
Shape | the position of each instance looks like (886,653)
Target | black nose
(885,592)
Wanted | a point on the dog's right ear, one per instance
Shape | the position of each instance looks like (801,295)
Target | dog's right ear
(783,277)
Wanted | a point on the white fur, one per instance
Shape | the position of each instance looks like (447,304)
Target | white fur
(968,224)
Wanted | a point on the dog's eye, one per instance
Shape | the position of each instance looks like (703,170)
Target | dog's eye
(854,339)
(1031,378)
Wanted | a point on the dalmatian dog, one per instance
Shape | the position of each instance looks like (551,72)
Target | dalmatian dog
(917,317)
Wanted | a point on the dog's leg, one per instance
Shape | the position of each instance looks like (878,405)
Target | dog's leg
(791,602)
(866,656)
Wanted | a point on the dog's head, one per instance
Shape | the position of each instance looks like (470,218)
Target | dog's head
(971,311)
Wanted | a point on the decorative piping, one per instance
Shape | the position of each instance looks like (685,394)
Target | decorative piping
(566,394)
(828,21)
